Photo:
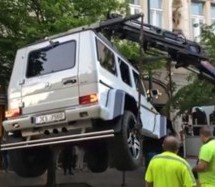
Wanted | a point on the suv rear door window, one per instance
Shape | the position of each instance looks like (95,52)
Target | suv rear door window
(53,58)
(124,69)
(106,57)
(138,83)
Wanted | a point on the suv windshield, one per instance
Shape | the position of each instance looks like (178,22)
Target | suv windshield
(51,59)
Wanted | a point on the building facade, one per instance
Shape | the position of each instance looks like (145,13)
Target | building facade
(184,16)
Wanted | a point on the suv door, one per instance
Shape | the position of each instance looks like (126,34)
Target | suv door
(147,111)
(51,80)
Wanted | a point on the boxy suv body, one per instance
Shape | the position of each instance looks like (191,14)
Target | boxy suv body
(76,87)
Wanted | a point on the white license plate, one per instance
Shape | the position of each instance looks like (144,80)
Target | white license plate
(50,118)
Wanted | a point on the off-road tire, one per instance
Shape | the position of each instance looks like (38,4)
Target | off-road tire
(97,157)
(126,146)
(29,162)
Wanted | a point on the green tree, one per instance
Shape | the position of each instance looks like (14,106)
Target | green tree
(198,93)
(131,50)
(24,21)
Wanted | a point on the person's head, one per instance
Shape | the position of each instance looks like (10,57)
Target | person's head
(206,133)
(171,144)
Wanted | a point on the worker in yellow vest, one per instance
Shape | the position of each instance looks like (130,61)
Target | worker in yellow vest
(206,164)
(168,169)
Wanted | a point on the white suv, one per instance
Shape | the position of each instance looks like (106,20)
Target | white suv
(75,87)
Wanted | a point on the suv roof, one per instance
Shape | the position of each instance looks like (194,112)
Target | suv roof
(81,29)
(66,33)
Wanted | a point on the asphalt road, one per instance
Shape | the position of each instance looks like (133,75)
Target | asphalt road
(110,178)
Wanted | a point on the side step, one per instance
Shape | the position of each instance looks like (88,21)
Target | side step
(57,140)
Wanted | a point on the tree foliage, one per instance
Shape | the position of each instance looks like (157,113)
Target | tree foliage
(144,63)
(198,93)
(24,21)
(208,41)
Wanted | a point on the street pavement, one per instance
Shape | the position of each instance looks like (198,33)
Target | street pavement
(110,178)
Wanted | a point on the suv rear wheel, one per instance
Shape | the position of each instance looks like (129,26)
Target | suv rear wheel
(29,162)
(126,148)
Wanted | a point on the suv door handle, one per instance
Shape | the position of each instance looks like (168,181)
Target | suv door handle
(47,85)
(69,81)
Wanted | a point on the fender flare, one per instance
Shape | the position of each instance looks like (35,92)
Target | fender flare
(116,102)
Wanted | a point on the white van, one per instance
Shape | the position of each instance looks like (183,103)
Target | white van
(75,87)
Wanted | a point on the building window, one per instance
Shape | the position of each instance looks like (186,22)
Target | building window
(135,6)
(212,13)
(135,2)
(156,12)
(135,9)
(197,19)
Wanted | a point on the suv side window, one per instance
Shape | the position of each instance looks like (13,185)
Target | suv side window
(51,59)
(138,83)
(124,69)
(106,57)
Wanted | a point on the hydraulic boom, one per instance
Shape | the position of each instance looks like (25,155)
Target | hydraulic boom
(185,53)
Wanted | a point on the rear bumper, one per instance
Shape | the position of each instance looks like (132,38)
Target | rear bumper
(72,114)
(58,140)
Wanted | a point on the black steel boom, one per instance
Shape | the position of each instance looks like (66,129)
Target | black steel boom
(186,53)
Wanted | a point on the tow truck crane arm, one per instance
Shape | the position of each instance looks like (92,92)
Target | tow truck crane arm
(185,53)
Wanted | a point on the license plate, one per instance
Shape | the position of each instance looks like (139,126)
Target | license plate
(50,118)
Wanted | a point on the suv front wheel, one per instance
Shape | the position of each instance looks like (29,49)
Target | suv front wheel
(126,148)
(97,157)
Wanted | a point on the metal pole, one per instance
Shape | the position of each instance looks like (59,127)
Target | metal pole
(148,9)
(141,61)
(150,82)
(123,179)
(170,77)
(51,174)
(170,84)
(149,71)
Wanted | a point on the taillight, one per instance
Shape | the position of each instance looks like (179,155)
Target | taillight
(13,113)
(87,99)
